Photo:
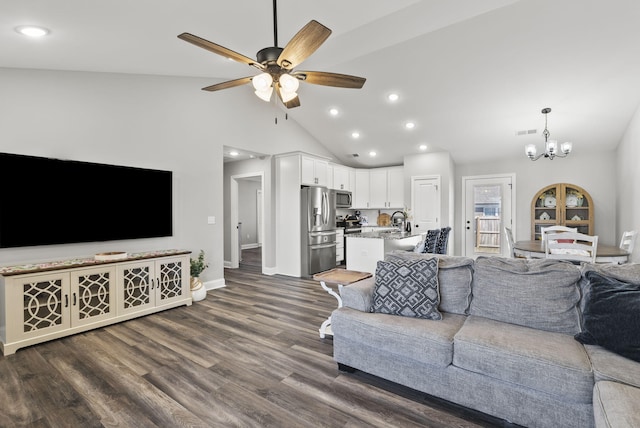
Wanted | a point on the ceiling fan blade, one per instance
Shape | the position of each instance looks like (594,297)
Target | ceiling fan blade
(228,84)
(289,104)
(303,44)
(220,50)
(330,79)
(293,103)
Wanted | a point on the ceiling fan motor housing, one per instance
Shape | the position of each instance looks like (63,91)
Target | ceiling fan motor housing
(267,55)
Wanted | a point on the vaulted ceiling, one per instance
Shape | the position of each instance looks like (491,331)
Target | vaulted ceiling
(471,74)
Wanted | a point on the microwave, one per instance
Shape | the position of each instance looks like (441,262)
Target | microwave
(343,198)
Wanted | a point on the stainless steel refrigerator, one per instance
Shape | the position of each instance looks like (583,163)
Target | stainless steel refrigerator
(318,209)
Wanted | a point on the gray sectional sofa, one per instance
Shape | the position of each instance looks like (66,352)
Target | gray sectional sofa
(504,344)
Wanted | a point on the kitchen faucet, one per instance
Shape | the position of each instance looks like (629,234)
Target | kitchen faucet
(404,220)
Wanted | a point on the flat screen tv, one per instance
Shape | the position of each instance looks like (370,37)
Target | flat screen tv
(51,201)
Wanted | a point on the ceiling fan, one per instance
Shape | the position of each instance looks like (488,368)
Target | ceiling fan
(277,64)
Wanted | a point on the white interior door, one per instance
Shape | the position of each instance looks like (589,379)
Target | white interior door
(488,208)
(425,200)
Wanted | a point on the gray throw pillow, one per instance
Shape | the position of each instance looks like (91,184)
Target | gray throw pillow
(407,288)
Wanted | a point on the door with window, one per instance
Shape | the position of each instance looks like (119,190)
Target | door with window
(488,209)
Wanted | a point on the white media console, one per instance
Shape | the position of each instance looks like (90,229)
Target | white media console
(45,301)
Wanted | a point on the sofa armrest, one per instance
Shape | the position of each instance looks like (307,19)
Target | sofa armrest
(358,295)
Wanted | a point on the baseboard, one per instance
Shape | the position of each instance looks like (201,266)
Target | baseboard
(227,264)
(250,246)
(216,283)
(269,270)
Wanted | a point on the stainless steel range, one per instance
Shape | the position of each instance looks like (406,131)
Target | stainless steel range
(350,226)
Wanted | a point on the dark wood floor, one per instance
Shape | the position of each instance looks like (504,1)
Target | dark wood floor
(249,355)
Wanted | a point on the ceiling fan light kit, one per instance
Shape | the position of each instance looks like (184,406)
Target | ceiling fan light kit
(277,64)
(550,146)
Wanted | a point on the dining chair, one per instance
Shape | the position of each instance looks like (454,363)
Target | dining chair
(572,246)
(628,240)
(544,231)
(510,241)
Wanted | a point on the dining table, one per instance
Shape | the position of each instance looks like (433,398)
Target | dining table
(534,249)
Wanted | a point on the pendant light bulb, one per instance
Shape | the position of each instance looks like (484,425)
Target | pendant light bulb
(265,94)
(262,81)
(288,83)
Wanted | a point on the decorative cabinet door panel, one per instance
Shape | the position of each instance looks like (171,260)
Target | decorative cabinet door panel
(137,287)
(562,204)
(43,305)
(172,282)
(92,295)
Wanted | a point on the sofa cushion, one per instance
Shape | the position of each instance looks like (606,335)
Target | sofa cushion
(426,341)
(454,278)
(610,366)
(536,293)
(549,362)
(611,316)
(615,405)
(408,288)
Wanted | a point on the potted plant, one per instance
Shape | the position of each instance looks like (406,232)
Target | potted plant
(198,292)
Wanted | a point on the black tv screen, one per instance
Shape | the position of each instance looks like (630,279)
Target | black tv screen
(51,201)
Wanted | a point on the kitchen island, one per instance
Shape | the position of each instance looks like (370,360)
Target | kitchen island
(365,249)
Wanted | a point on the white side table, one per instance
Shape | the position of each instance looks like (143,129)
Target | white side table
(341,277)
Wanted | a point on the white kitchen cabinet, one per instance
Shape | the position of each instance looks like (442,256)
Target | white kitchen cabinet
(379,188)
(361,191)
(341,178)
(313,171)
(395,187)
(44,302)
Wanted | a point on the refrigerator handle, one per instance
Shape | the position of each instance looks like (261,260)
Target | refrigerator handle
(325,208)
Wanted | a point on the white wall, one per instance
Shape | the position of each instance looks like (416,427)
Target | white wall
(144,121)
(627,206)
(591,171)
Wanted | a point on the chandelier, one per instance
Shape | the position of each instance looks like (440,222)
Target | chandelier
(550,146)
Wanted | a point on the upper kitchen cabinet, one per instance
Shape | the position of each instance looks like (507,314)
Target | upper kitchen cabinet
(361,189)
(314,171)
(342,178)
(379,188)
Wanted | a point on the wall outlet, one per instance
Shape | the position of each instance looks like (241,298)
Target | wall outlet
(211,219)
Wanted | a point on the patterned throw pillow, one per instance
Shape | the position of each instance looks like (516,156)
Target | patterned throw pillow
(431,240)
(408,288)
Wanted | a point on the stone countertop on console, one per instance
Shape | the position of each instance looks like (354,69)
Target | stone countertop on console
(82,262)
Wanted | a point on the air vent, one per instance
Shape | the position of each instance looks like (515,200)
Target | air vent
(355,155)
(526,132)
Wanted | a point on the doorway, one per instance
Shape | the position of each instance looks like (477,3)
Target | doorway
(247,219)
(487,209)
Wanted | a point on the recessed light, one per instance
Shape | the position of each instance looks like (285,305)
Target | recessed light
(423,147)
(333,112)
(409,125)
(32,31)
(372,153)
(393,97)
(234,153)
(355,134)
